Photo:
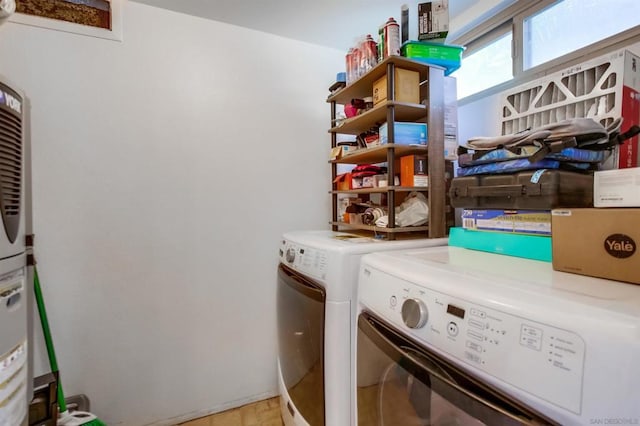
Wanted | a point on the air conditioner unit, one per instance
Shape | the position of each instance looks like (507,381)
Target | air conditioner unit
(15,376)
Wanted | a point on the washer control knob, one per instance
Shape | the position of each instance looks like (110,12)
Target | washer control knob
(290,255)
(414,313)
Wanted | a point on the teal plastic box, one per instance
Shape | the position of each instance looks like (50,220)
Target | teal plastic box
(405,133)
(527,246)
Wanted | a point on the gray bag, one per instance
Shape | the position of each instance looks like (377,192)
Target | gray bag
(580,132)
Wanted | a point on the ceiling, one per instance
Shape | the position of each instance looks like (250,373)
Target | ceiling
(330,23)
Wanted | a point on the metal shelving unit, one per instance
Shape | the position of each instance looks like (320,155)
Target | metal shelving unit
(431,111)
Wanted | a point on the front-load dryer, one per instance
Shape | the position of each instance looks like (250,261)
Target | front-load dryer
(448,335)
(316,298)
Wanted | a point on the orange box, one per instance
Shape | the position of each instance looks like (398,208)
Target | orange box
(407,87)
(413,170)
(343,182)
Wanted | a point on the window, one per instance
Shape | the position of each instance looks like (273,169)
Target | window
(541,37)
(96,18)
(572,24)
(486,67)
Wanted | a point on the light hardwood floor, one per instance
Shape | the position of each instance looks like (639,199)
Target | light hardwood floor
(261,413)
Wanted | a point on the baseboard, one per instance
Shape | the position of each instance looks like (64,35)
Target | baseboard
(216,409)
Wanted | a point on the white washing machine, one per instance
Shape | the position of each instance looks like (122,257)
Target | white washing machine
(454,336)
(317,278)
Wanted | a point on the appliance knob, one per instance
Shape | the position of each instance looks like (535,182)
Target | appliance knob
(414,313)
(291,255)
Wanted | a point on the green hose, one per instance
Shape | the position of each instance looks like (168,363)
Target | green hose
(47,337)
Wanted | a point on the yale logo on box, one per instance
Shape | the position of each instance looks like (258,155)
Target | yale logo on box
(620,246)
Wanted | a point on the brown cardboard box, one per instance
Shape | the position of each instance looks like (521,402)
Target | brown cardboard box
(413,170)
(343,182)
(597,242)
(407,87)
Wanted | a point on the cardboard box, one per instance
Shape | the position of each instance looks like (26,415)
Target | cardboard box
(617,188)
(405,133)
(433,21)
(341,151)
(343,182)
(534,247)
(450,118)
(597,242)
(382,181)
(413,170)
(372,140)
(368,182)
(530,222)
(407,87)
(627,155)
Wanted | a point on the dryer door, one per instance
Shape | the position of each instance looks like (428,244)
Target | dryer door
(301,306)
(400,383)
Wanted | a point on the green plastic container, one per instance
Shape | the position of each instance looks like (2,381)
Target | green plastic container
(445,55)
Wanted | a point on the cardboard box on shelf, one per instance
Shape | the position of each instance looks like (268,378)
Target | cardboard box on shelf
(407,87)
(356,183)
(433,21)
(343,182)
(450,118)
(597,242)
(372,140)
(368,182)
(382,181)
(413,170)
(617,188)
(405,133)
(339,152)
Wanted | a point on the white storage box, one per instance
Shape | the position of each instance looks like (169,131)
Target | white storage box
(617,188)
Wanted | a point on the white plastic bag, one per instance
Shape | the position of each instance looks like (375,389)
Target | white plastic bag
(414,211)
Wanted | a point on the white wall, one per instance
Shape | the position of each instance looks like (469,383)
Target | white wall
(165,169)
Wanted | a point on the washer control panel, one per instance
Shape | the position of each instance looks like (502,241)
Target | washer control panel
(307,260)
(536,357)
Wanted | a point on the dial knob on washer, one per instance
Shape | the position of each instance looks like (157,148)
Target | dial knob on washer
(290,255)
(414,313)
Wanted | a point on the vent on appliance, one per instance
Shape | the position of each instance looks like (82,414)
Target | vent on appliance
(10,171)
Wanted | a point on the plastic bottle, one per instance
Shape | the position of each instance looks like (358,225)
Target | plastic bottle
(356,61)
(391,38)
(349,65)
(381,43)
(371,52)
